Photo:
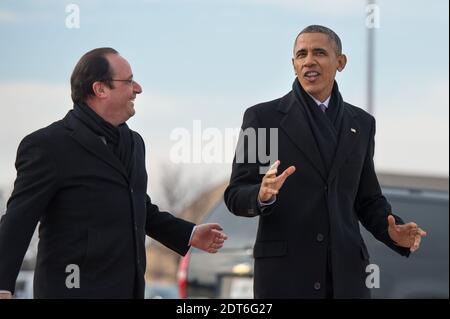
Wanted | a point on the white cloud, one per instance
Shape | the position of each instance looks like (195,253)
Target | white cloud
(26,107)
(412,132)
(413,144)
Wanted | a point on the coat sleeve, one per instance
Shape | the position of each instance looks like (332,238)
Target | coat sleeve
(241,195)
(174,233)
(35,185)
(169,230)
(371,206)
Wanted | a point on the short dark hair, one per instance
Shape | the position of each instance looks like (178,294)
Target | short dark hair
(93,66)
(324,30)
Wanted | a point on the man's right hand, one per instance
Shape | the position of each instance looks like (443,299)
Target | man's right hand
(271,183)
(5,295)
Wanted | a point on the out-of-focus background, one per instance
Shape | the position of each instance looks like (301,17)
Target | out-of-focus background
(201,63)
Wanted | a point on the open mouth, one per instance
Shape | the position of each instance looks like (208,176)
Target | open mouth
(311,75)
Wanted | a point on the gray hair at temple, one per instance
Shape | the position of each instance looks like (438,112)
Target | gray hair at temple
(334,38)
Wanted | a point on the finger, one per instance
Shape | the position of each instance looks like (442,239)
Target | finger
(271,173)
(212,250)
(215,246)
(219,240)
(5,295)
(411,226)
(391,221)
(275,165)
(287,172)
(408,229)
(271,191)
(270,180)
(214,226)
(421,232)
(273,169)
(220,234)
(290,170)
(416,243)
(283,176)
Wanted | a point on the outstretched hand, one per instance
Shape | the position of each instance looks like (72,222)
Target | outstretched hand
(407,235)
(5,295)
(208,237)
(271,183)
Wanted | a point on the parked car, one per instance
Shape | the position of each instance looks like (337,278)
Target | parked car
(229,273)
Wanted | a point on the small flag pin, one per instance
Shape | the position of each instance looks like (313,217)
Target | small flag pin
(353,130)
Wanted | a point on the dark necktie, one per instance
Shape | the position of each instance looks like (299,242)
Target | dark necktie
(323,107)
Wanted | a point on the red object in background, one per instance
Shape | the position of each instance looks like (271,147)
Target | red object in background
(182,276)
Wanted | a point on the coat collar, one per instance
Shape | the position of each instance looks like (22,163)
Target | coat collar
(94,144)
(296,126)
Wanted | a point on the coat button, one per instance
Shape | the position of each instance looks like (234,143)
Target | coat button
(320,237)
(131,191)
(325,188)
(317,285)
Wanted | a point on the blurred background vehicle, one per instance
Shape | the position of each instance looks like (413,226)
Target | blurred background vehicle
(160,291)
(229,273)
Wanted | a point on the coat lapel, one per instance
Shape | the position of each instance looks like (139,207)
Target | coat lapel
(295,125)
(136,142)
(93,143)
(348,135)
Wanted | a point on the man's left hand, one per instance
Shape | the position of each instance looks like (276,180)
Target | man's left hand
(208,237)
(407,235)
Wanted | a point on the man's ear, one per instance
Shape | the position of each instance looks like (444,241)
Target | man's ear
(342,61)
(293,65)
(99,89)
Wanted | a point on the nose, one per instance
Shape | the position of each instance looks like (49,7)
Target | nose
(309,60)
(137,88)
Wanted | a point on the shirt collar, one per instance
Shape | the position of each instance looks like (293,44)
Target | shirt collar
(326,102)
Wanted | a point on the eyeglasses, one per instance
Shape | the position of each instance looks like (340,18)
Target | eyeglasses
(129,81)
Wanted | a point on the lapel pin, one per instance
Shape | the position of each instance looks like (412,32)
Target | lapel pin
(353,130)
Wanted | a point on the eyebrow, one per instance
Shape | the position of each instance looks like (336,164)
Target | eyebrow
(315,50)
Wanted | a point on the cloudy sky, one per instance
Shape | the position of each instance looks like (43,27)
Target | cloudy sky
(208,60)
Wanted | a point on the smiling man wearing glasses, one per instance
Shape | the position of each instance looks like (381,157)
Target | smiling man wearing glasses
(84,179)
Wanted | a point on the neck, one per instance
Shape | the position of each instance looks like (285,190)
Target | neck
(104,113)
(323,96)
(319,101)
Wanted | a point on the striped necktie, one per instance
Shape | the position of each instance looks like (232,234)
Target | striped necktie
(323,107)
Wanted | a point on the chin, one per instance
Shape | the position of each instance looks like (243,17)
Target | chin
(310,90)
